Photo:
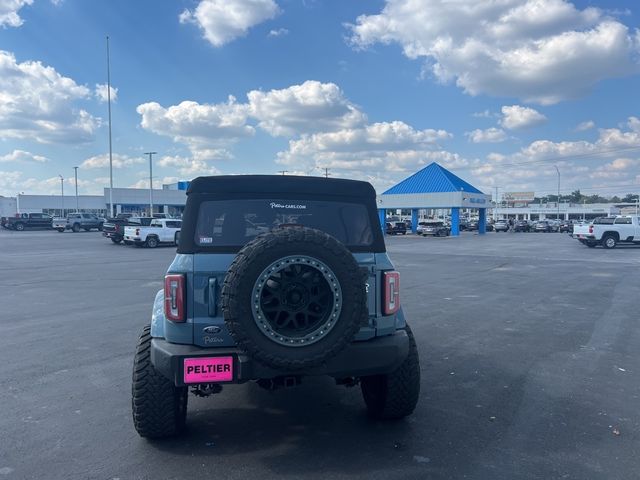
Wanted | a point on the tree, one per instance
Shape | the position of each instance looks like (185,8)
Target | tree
(576,196)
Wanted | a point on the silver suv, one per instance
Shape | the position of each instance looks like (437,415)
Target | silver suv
(84,221)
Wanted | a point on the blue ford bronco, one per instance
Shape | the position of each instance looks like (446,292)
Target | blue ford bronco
(275,278)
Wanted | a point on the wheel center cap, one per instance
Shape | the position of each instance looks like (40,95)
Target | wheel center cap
(295,296)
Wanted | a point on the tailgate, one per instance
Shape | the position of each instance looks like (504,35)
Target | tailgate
(581,230)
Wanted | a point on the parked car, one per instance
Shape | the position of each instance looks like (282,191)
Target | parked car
(472,225)
(23,221)
(113,229)
(396,228)
(435,229)
(276,308)
(78,221)
(543,226)
(521,226)
(160,230)
(554,225)
(463,224)
(489,227)
(501,226)
(566,227)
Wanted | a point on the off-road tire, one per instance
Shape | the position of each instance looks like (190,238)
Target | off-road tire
(395,394)
(61,230)
(159,408)
(76,227)
(152,242)
(116,240)
(19,227)
(244,273)
(609,241)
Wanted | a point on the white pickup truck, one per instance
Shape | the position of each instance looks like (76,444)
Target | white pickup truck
(609,231)
(160,230)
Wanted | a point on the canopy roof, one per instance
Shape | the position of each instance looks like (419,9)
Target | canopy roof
(432,179)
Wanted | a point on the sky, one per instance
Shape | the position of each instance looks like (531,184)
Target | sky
(500,92)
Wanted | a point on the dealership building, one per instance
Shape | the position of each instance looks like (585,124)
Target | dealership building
(170,199)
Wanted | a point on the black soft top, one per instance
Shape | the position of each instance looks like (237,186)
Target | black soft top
(230,187)
(268,184)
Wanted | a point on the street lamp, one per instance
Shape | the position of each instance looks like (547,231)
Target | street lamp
(110,145)
(76,174)
(558,214)
(62,192)
(151,154)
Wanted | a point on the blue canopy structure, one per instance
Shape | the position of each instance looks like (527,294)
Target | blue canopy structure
(435,187)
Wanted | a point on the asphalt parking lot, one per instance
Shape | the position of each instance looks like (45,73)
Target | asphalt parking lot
(529,345)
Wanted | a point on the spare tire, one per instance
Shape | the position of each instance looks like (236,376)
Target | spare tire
(294,297)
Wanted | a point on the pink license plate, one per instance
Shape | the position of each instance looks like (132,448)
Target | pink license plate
(208,369)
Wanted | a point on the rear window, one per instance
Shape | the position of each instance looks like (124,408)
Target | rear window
(236,222)
(604,221)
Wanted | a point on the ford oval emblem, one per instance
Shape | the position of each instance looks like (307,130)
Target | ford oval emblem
(212,330)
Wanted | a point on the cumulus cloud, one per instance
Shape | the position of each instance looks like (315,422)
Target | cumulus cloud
(490,135)
(391,146)
(584,126)
(199,126)
(222,21)
(37,103)
(280,32)
(541,51)
(310,107)
(188,167)
(9,12)
(516,117)
(634,124)
(208,129)
(615,155)
(8,182)
(118,161)
(20,156)
(101,93)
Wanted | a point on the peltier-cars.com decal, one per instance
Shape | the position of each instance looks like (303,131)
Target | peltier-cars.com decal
(288,205)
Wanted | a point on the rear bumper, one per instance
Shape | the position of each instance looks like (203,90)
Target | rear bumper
(372,357)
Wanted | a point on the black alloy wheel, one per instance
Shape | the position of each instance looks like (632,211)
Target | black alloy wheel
(297,301)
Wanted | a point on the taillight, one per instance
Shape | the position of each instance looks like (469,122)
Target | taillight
(590,228)
(391,292)
(174,297)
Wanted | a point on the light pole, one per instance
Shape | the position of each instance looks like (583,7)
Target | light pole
(110,149)
(62,192)
(18,202)
(558,213)
(76,175)
(151,154)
